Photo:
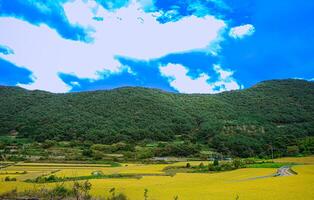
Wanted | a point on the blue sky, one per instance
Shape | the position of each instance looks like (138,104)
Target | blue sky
(186,46)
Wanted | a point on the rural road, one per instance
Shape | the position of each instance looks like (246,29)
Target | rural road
(282,171)
(285,171)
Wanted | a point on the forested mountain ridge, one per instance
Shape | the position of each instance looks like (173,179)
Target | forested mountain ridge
(280,112)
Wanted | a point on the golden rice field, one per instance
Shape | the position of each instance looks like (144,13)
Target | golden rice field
(303,160)
(188,186)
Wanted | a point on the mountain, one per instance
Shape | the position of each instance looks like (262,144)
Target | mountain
(276,112)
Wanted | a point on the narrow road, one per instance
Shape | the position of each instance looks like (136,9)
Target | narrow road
(285,171)
(282,171)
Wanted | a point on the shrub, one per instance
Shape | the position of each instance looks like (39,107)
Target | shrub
(7,178)
(51,178)
(237,163)
(48,143)
(81,190)
(97,155)
(59,192)
(292,150)
(216,162)
(118,197)
(212,167)
(221,167)
(87,153)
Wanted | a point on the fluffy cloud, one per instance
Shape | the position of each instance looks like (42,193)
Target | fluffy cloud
(178,77)
(129,32)
(50,13)
(113,4)
(240,32)
(205,7)
(147,5)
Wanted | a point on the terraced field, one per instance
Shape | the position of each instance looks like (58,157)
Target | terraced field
(188,186)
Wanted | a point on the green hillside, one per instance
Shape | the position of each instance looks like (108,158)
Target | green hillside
(277,113)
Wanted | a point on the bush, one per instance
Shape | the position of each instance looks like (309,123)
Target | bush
(212,167)
(237,163)
(177,149)
(51,178)
(118,197)
(292,150)
(7,178)
(144,153)
(216,162)
(221,167)
(81,190)
(48,143)
(87,153)
(60,192)
(97,155)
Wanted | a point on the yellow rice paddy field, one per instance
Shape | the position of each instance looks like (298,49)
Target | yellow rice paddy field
(188,186)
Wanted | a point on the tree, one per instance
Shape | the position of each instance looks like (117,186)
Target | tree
(216,162)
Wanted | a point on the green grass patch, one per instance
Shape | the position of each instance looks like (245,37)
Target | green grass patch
(267,165)
(53,178)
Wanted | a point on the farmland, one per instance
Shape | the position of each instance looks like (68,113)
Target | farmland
(245,182)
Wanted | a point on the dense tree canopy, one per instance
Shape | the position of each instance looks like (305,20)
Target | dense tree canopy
(248,122)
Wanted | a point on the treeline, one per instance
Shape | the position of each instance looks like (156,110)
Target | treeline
(273,116)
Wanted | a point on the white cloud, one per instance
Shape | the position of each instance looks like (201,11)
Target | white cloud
(298,78)
(179,80)
(178,77)
(240,32)
(147,5)
(128,32)
(139,35)
(75,83)
(225,80)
